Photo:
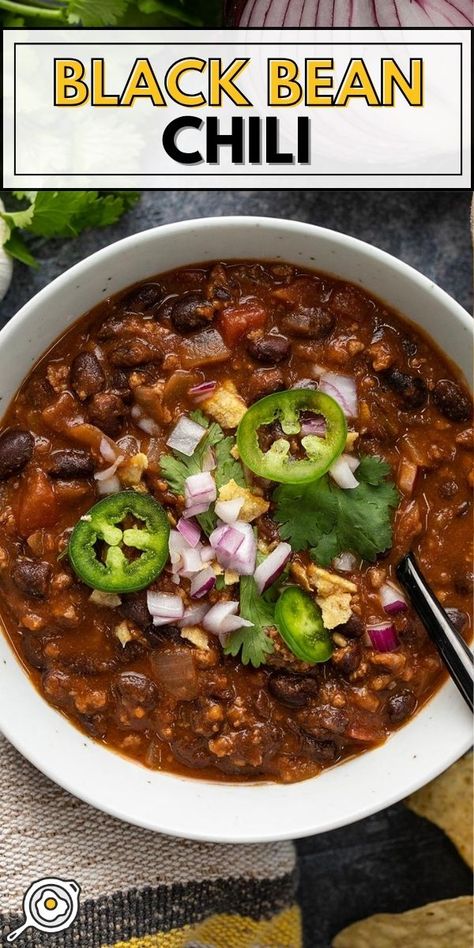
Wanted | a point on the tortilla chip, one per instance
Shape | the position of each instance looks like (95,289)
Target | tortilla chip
(225,405)
(446,924)
(253,505)
(196,635)
(333,592)
(448,802)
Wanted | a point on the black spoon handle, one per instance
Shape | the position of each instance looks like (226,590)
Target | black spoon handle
(455,653)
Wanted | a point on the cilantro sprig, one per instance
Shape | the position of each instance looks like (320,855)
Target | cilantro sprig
(60,214)
(252,642)
(102,13)
(176,467)
(327,520)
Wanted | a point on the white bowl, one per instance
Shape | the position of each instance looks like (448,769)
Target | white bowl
(196,808)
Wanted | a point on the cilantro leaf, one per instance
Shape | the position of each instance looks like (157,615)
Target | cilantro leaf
(94,13)
(61,214)
(253,643)
(176,467)
(328,520)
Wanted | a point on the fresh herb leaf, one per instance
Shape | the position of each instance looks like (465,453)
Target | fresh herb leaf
(61,214)
(253,643)
(328,520)
(94,13)
(176,467)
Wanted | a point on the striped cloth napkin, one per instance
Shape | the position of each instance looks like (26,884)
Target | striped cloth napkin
(138,889)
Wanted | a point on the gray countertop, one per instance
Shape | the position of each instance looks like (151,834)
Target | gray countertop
(393,860)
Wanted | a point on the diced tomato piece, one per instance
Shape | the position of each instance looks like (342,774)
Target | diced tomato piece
(37,505)
(236,321)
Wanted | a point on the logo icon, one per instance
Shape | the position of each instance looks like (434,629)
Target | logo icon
(49,905)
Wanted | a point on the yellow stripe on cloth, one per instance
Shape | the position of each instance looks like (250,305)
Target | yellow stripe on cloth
(228,931)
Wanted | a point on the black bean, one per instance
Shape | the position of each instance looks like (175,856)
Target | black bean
(87,376)
(400,706)
(452,401)
(352,629)
(347,659)
(32,577)
(309,323)
(134,607)
(464,583)
(135,688)
(293,690)
(411,389)
(106,410)
(16,449)
(32,647)
(458,618)
(130,651)
(70,463)
(193,752)
(157,635)
(190,312)
(143,297)
(270,349)
(320,750)
(448,489)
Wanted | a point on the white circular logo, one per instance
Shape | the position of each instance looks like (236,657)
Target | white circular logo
(49,905)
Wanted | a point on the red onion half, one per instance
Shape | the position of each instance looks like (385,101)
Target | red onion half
(349,13)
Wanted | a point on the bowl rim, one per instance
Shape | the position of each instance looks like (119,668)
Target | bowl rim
(446,694)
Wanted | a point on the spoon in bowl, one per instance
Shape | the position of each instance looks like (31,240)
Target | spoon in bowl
(456,655)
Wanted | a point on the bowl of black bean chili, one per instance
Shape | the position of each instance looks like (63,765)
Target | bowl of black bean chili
(219,437)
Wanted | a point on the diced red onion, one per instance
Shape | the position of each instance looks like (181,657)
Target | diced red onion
(272,566)
(202,583)
(193,615)
(207,554)
(200,392)
(383,636)
(176,545)
(164,607)
(349,13)
(341,473)
(312,424)
(235,547)
(222,618)
(343,389)
(199,493)
(111,485)
(108,471)
(345,562)
(228,510)
(209,460)
(185,436)
(176,672)
(191,562)
(107,451)
(190,530)
(147,425)
(392,599)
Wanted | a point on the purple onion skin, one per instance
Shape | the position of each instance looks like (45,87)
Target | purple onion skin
(450,16)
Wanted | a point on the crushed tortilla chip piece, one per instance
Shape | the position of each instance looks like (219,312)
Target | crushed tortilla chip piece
(235,452)
(225,405)
(231,577)
(122,632)
(132,468)
(442,924)
(196,635)
(447,801)
(333,592)
(100,598)
(253,506)
(351,440)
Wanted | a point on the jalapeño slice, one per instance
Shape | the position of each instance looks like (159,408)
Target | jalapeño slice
(109,569)
(277,463)
(299,621)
